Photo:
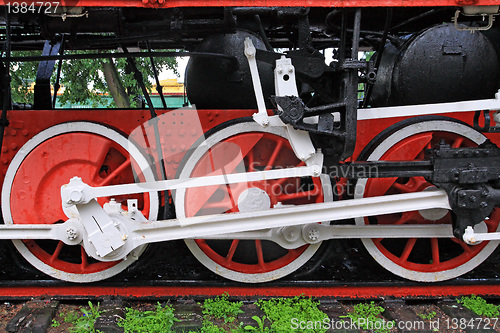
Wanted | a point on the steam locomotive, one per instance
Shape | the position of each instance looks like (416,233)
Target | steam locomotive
(371,121)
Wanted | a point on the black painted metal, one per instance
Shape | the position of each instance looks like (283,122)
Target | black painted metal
(214,83)
(42,93)
(440,64)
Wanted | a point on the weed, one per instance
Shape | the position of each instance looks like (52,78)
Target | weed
(366,316)
(55,323)
(209,327)
(427,316)
(479,306)
(85,323)
(70,317)
(222,308)
(261,328)
(286,315)
(158,321)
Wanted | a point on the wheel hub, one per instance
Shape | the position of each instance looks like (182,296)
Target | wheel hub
(434,214)
(253,199)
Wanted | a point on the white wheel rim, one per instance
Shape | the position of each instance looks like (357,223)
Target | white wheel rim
(41,137)
(380,150)
(193,246)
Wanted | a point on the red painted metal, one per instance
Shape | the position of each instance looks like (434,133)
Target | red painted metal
(342,291)
(254,151)
(24,124)
(413,148)
(266,3)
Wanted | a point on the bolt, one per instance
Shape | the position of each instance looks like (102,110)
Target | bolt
(290,69)
(463,194)
(71,233)
(76,196)
(316,171)
(280,70)
(484,193)
(472,198)
(313,235)
(265,122)
(483,204)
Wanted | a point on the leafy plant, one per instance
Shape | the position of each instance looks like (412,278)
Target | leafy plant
(220,307)
(160,320)
(427,316)
(261,328)
(55,323)
(85,323)
(480,306)
(70,317)
(366,316)
(285,313)
(209,327)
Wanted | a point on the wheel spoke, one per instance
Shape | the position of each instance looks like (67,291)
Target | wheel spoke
(84,256)
(435,250)
(275,153)
(232,250)
(57,251)
(109,178)
(406,217)
(457,142)
(260,253)
(103,152)
(402,188)
(465,247)
(410,244)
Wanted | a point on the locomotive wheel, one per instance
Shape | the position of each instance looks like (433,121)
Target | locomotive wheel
(430,259)
(32,185)
(246,147)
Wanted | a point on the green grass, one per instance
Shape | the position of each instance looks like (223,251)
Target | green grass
(286,313)
(367,317)
(219,315)
(83,323)
(427,316)
(159,320)
(479,306)
(220,307)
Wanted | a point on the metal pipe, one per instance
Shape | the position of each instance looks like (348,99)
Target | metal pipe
(119,55)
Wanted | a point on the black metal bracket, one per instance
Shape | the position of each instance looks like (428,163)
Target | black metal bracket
(486,128)
(469,175)
(42,95)
(293,111)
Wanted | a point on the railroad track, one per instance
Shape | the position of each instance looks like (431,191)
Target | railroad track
(399,315)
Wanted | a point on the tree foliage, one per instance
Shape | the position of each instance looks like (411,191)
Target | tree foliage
(83,80)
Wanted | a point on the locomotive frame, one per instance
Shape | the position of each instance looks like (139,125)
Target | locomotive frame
(320,140)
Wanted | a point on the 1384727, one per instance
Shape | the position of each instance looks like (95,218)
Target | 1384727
(32,7)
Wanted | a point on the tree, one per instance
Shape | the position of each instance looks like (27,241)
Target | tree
(86,82)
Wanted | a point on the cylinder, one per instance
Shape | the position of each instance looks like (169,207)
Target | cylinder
(216,83)
(439,64)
